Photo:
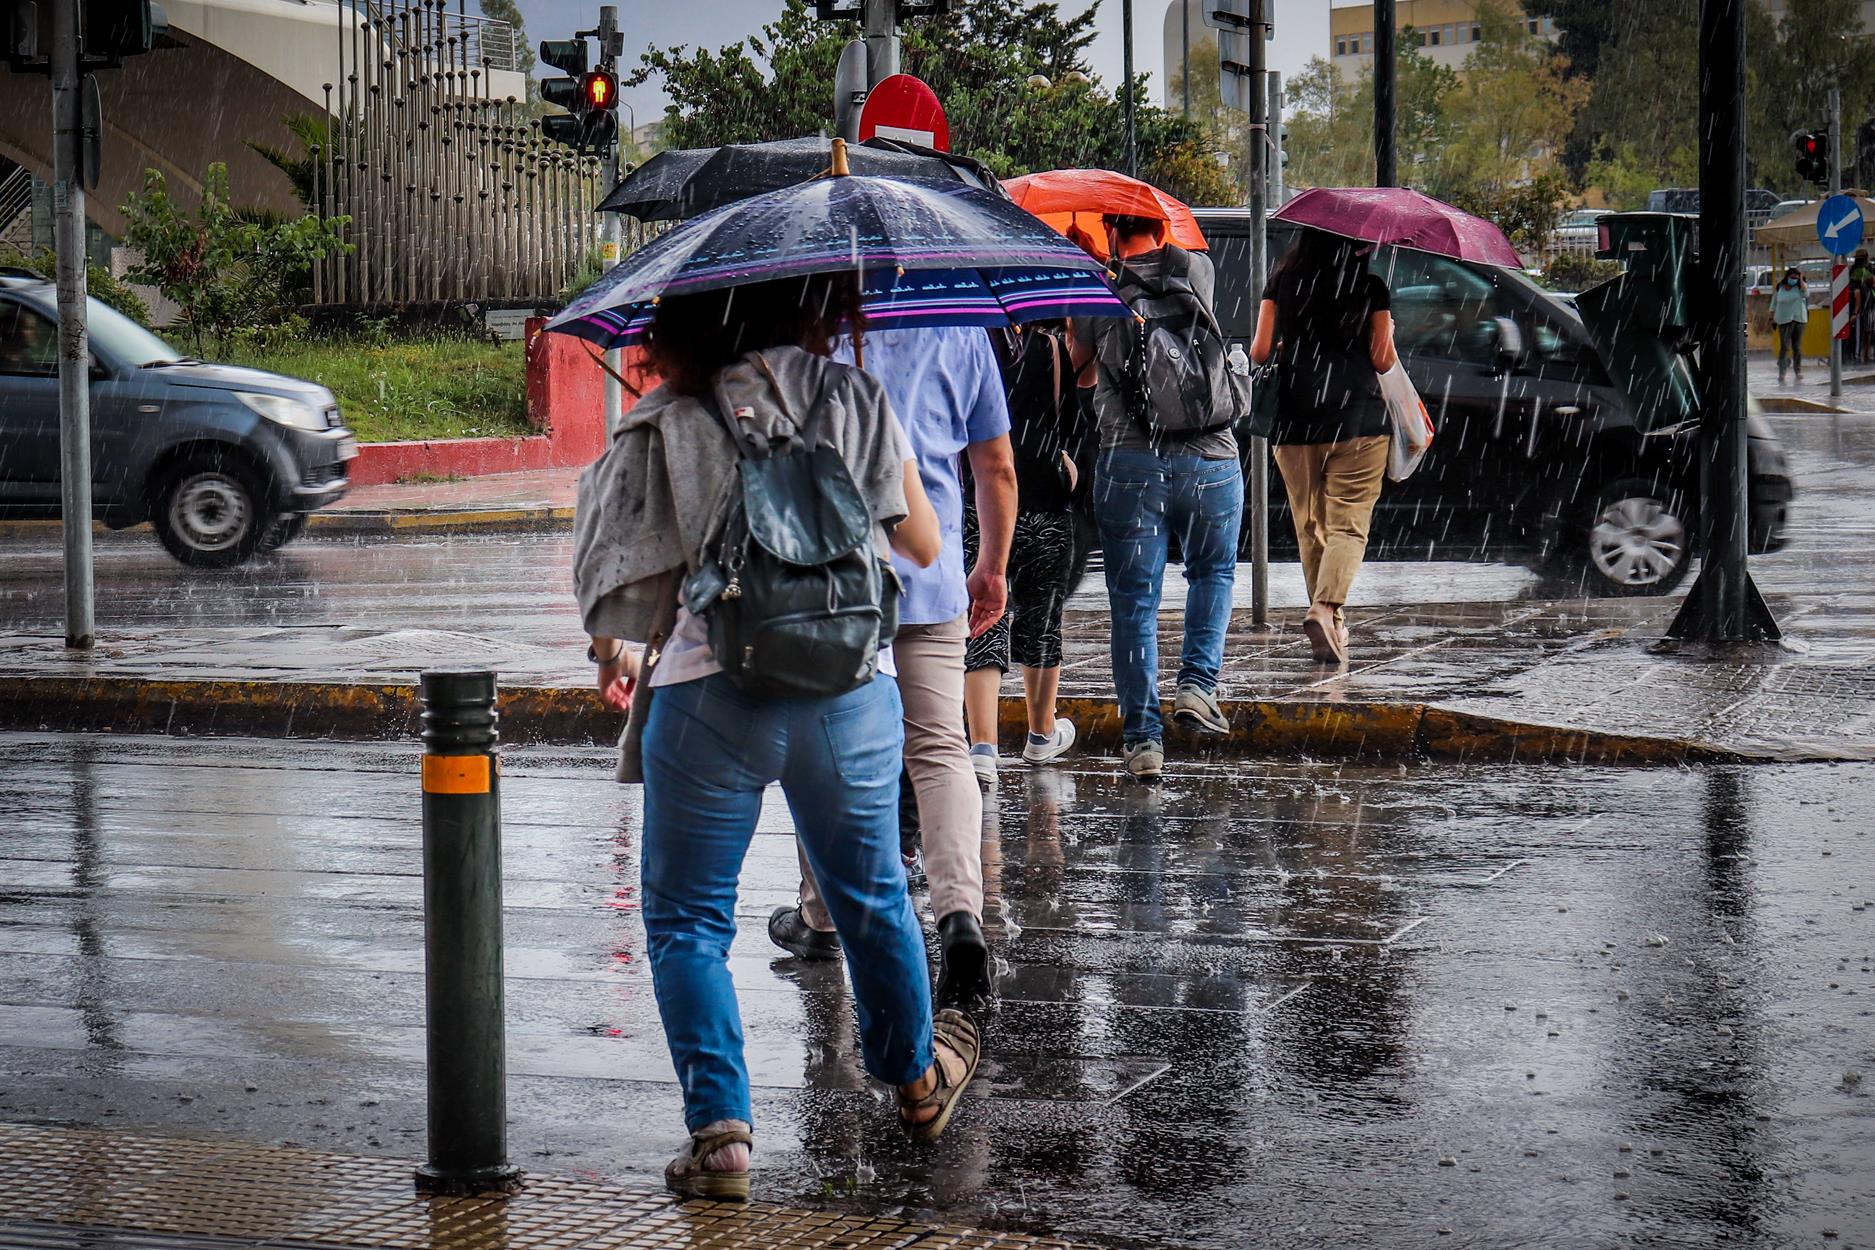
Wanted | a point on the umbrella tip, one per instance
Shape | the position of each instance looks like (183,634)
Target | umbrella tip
(840,169)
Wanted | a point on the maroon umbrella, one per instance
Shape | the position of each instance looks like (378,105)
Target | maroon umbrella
(1402,218)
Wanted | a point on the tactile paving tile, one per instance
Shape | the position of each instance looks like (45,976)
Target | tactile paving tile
(53,1174)
(733,1226)
(129,1190)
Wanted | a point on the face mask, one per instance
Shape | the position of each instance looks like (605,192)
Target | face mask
(1790,282)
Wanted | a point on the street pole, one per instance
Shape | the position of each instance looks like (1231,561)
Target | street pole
(1255,95)
(1835,188)
(1184,60)
(881,40)
(1386,73)
(1126,33)
(68,208)
(1724,606)
(612,228)
(1276,139)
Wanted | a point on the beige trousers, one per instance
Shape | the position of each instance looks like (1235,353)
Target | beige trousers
(930,663)
(1332,488)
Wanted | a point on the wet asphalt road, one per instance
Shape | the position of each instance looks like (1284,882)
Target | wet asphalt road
(520,584)
(1259,1006)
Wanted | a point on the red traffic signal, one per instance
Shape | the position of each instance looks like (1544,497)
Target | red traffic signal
(599,90)
(1812,155)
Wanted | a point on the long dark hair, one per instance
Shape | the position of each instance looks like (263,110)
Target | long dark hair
(1322,276)
(694,337)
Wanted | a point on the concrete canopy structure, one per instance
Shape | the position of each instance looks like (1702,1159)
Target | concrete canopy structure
(228,74)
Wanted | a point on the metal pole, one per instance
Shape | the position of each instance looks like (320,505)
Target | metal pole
(881,33)
(609,256)
(1835,188)
(464,1011)
(1722,250)
(1255,97)
(1132,147)
(1184,56)
(68,209)
(1386,73)
(1276,139)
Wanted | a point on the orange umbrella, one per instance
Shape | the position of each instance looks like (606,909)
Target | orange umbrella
(1078,198)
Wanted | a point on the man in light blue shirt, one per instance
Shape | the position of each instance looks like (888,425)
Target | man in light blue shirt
(946,387)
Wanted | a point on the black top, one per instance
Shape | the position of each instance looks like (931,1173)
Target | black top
(1327,390)
(1044,417)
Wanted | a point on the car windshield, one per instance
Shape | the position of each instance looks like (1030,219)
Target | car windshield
(123,340)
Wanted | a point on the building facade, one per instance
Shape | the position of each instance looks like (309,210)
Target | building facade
(1446,29)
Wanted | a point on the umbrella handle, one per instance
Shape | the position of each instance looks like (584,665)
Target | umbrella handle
(840,168)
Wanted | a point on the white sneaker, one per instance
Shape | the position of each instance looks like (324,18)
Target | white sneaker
(986,763)
(1053,749)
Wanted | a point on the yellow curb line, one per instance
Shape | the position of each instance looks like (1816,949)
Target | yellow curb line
(1273,727)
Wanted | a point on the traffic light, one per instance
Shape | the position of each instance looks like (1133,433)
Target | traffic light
(1812,155)
(855,10)
(1865,154)
(588,94)
(109,31)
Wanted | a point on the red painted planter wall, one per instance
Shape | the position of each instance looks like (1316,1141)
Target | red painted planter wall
(565,401)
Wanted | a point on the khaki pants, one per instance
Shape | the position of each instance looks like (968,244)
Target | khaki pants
(930,663)
(1332,488)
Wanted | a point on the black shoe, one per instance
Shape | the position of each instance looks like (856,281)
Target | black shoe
(963,965)
(789,930)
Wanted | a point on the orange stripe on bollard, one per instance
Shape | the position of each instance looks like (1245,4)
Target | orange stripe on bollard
(456,774)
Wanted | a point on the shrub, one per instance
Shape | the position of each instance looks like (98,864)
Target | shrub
(1575,272)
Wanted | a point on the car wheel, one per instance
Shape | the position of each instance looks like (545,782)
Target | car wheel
(211,513)
(1639,539)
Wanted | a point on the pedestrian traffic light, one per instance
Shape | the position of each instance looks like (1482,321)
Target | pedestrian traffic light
(588,94)
(1812,155)
(569,56)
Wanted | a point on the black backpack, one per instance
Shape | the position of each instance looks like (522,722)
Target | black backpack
(795,596)
(1175,378)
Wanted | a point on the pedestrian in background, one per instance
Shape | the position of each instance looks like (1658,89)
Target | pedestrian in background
(947,388)
(706,751)
(1163,469)
(1046,436)
(1326,321)
(1790,314)
(1861,305)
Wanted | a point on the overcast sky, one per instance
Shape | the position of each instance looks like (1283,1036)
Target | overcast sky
(1301,32)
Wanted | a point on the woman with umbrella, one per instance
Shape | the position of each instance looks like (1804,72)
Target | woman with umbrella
(738,309)
(1326,321)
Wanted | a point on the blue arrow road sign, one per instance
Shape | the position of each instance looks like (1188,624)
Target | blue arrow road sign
(1839,225)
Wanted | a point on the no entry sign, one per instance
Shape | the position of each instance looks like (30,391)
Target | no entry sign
(903,107)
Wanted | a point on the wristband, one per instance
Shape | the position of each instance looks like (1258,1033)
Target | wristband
(592,657)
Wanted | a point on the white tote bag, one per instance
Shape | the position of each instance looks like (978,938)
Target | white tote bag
(1409,428)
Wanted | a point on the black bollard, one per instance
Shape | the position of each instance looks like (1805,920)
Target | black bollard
(468,1073)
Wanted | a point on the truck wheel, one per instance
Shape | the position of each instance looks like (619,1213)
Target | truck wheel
(1638,540)
(211,513)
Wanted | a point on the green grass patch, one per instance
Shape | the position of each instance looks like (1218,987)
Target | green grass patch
(429,388)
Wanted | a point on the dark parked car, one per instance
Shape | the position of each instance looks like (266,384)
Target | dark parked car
(223,461)
(1539,456)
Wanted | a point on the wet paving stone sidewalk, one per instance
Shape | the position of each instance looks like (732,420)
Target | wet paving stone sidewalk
(1260,1005)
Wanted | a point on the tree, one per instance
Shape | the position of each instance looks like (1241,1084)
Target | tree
(1330,133)
(301,168)
(979,59)
(1795,60)
(224,272)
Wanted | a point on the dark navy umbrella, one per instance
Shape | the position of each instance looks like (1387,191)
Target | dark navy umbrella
(929,253)
(684,182)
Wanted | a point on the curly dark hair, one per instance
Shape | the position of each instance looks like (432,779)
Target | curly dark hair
(694,337)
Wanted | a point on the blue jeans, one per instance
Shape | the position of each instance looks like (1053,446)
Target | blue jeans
(709,753)
(1141,498)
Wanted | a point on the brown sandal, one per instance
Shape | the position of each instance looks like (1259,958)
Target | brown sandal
(687,1176)
(955,1032)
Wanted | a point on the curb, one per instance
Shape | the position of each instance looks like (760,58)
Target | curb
(1797,403)
(575,716)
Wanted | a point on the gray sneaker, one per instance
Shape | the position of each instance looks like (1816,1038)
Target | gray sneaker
(1197,709)
(1053,749)
(1145,760)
